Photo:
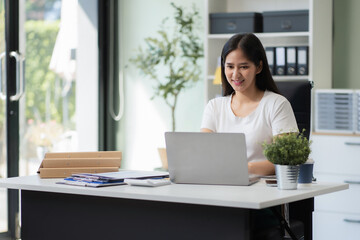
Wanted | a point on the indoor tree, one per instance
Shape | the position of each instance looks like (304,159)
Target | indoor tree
(176,49)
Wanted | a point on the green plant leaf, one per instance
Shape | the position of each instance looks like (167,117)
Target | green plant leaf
(178,51)
(287,149)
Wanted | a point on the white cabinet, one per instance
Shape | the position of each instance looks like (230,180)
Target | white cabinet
(337,159)
(338,226)
(318,38)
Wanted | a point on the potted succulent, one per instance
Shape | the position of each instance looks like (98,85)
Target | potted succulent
(287,152)
(171,59)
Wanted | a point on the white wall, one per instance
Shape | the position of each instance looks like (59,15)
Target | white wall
(87,82)
(141,131)
(346,44)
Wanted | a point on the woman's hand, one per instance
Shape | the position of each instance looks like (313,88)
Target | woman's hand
(262,168)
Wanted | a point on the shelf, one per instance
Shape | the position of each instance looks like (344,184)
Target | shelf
(263,35)
(276,78)
(295,77)
(271,39)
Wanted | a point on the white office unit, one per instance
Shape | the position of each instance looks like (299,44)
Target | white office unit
(337,216)
(335,110)
(318,38)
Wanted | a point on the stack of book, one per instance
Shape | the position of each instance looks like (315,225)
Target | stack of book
(61,165)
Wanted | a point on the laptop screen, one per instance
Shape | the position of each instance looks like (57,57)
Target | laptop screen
(207,158)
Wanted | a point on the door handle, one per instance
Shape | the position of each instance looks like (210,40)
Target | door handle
(352,143)
(351,220)
(2,73)
(351,182)
(20,83)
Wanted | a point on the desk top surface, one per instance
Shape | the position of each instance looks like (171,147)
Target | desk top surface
(256,196)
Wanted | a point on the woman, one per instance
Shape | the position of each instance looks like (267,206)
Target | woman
(251,102)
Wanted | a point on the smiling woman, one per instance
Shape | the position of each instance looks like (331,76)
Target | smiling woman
(240,72)
(251,103)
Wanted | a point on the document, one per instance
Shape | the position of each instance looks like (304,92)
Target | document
(110,178)
(124,174)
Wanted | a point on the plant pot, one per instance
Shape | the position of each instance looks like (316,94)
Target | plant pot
(287,176)
(163,158)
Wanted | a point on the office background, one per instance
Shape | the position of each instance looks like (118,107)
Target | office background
(137,120)
(346,44)
(140,132)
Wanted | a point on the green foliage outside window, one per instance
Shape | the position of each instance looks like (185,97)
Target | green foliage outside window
(2,27)
(41,82)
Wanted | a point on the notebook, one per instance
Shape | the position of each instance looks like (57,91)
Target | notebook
(207,158)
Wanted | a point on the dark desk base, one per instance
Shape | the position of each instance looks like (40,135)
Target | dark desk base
(55,216)
(66,216)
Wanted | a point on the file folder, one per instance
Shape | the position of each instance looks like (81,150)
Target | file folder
(270,55)
(217,78)
(280,61)
(291,57)
(302,61)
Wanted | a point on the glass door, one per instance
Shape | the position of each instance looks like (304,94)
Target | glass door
(47,109)
(3,162)
(39,97)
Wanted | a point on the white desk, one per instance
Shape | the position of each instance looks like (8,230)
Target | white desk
(45,201)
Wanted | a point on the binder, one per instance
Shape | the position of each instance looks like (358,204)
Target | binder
(302,60)
(291,57)
(280,61)
(270,55)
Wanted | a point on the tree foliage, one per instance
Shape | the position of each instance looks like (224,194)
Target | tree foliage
(177,51)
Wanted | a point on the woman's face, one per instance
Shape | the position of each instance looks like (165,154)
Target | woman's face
(240,72)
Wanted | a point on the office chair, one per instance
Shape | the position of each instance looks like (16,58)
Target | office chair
(298,93)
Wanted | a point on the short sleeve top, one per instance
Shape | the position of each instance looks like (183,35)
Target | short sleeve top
(273,116)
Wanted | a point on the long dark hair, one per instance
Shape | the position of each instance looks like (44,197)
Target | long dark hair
(255,52)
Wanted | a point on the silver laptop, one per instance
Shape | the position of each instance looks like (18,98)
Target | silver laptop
(207,158)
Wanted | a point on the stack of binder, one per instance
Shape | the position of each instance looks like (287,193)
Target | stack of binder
(61,165)
(292,60)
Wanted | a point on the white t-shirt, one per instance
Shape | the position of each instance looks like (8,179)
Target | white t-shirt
(273,116)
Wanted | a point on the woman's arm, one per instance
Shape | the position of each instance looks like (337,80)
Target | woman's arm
(205,130)
(262,168)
